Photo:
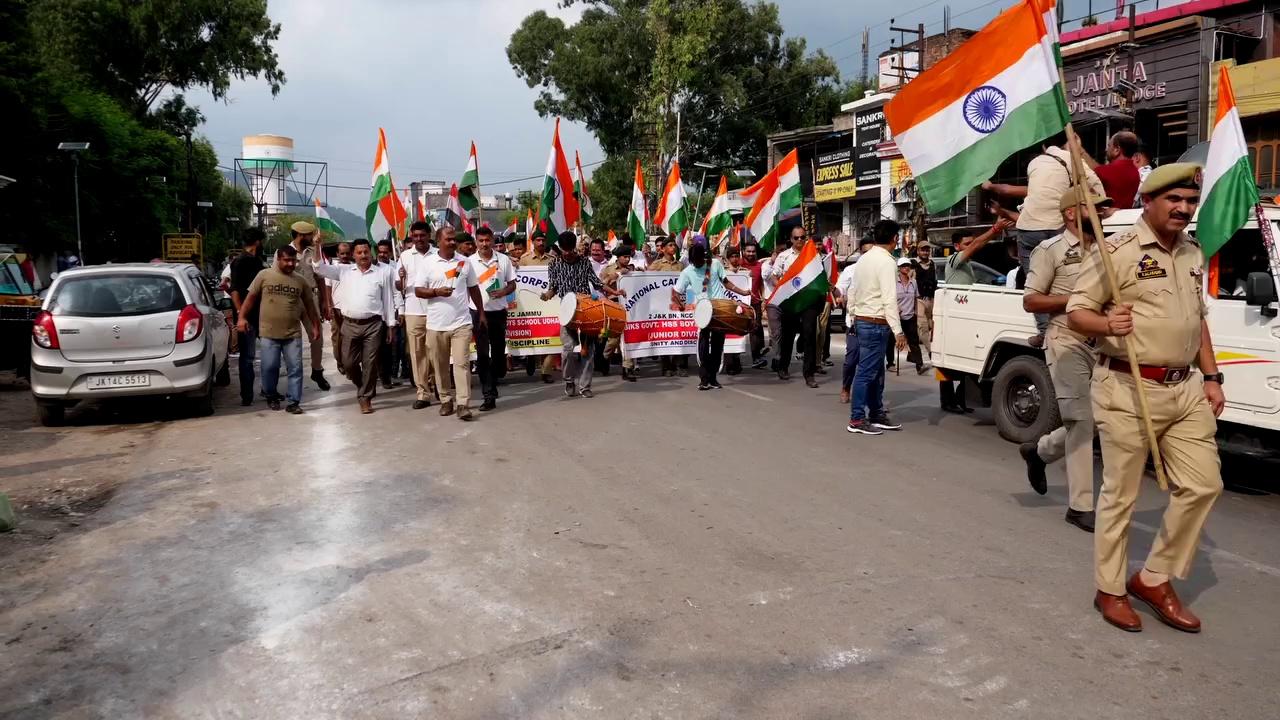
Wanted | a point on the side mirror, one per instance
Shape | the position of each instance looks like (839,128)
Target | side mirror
(1260,291)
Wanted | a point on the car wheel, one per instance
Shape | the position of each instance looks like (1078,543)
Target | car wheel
(202,404)
(51,414)
(223,378)
(1022,400)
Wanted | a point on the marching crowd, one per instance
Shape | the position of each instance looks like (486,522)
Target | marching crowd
(412,315)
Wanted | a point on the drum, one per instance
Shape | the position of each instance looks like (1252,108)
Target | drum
(728,316)
(592,317)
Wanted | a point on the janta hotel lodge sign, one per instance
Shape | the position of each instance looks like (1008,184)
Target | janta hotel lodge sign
(1100,89)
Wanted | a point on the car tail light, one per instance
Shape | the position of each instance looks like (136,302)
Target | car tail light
(190,323)
(44,332)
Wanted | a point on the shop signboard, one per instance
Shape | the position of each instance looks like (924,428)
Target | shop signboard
(833,175)
(869,123)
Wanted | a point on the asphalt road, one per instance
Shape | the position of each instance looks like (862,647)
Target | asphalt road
(654,552)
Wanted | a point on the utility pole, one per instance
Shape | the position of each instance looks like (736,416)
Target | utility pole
(191,188)
(866,56)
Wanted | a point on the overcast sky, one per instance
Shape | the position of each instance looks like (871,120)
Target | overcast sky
(435,75)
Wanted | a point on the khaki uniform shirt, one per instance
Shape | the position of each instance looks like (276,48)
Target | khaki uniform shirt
(1164,288)
(612,273)
(1055,266)
(530,259)
(304,269)
(665,264)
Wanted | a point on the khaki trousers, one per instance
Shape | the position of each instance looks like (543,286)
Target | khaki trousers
(335,338)
(1071,364)
(420,356)
(1185,429)
(611,346)
(453,345)
(924,323)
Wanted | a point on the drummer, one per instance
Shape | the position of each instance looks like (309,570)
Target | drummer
(705,282)
(572,273)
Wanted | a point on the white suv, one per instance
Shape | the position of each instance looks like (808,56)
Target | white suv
(111,331)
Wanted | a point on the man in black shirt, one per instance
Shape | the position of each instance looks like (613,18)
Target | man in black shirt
(244,269)
(926,286)
(572,273)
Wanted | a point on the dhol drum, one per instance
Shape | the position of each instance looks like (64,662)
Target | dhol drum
(728,316)
(592,317)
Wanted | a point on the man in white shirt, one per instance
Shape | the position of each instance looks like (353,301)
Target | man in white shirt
(804,322)
(367,295)
(415,314)
(446,281)
(388,360)
(496,278)
(599,257)
(873,309)
(335,320)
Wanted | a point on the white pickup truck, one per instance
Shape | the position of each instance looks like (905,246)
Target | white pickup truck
(981,333)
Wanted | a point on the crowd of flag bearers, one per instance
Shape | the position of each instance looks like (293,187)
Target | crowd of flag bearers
(1121,317)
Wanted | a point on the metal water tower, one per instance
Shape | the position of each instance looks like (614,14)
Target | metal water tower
(277,183)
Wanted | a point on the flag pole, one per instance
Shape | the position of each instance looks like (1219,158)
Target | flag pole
(1113,285)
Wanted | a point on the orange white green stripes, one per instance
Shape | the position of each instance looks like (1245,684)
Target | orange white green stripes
(804,283)
(775,193)
(384,212)
(672,215)
(580,190)
(638,213)
(559,208)
(718,220)
(996,94)
(325,223)
(469,188)
(1228,191)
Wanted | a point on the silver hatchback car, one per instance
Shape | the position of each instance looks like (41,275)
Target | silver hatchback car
(112,331)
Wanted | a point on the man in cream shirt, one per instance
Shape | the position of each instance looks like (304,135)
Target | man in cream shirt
(873,309)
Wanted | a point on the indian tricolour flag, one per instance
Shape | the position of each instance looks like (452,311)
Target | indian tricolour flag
(469,188)
(384,213)
(638,214)
(804,283)
(672,215)
(559,209)
(1228,190)
(325,223)
(996,94)
(775,193)
(718,220)
(529,227)
(580,190)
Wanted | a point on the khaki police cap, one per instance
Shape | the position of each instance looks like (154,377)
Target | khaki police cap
(1173,175)
(1070,196)
(302,227)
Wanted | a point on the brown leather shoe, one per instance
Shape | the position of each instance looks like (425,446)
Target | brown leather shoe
(1164,602)
(844,396)
(1116,610)
(446,408)
(366,406)
(464,413)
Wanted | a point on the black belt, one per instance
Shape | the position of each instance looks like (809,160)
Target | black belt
(361,321)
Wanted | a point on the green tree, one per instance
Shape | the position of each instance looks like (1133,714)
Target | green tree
(628,67)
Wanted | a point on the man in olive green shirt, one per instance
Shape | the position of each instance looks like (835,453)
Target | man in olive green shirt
(282,298)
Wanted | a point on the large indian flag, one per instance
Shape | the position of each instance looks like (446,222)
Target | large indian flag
(997,94)
(1228,190)
(559,209)
(638,214)
(672,215)
(384,213)
(325,223)
(775,193)
(804,283)
(718,220)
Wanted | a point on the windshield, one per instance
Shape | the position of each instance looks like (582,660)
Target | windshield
(12,279)
(114,295)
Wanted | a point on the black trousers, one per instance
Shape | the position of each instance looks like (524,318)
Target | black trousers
(710,353)
(757,335)
(491,350)
(804,322)
(910,328)
(362,342)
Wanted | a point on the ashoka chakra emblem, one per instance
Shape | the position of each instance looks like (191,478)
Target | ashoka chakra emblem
(985,109)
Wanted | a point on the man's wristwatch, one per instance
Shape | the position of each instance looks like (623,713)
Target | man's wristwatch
(1214,377)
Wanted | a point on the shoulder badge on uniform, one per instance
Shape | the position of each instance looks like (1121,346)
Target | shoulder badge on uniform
(1114,242)
(1197,276)
(1148,268)
(1072,256)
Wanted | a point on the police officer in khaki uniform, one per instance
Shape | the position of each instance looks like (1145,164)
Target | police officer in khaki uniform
(1160,314)
(303,239)
(613,272)
(540,256)
(1054,266)
(671,364)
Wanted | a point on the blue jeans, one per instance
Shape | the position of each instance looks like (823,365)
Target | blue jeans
(869,343)
(248,349)
(291,350)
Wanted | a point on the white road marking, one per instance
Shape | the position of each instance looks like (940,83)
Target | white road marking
(750,394)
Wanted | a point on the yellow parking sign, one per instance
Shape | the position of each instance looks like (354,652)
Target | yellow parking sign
(179,247)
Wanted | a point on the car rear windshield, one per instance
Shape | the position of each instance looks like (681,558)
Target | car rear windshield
(114,295)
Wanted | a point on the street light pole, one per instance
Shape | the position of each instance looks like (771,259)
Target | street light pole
(75,148)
